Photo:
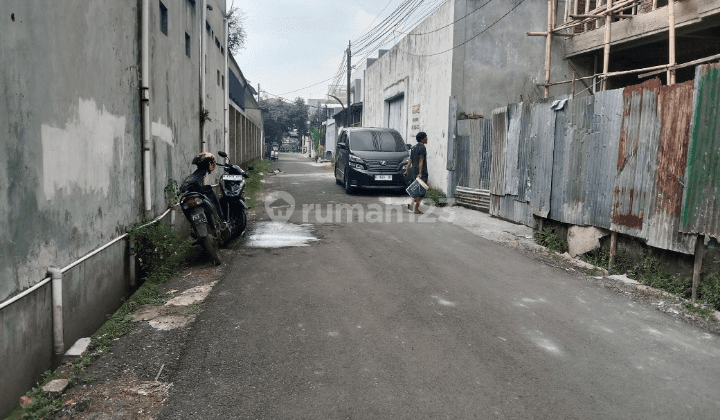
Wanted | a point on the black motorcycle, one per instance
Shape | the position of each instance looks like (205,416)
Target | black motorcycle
(211,226)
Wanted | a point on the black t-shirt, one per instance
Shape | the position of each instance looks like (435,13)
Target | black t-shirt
(417,151)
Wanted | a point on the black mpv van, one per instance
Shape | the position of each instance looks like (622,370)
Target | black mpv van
(370,158)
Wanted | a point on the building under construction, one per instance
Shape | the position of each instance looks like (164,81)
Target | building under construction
(613,44)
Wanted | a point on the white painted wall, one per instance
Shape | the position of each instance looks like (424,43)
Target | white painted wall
(417,68)
(330,137)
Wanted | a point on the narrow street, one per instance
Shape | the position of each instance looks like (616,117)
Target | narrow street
(388,316)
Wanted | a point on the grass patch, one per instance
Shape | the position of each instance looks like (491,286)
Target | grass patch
(547,238)
(601,258)
(254,186)
(652,275)
(438,197)
(709,291)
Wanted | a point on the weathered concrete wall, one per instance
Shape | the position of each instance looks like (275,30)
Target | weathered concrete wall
(71,138)
(71,175)
(502,64)
(418,67)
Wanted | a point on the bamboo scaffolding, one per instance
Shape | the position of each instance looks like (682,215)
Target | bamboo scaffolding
(568,81)
(600,12)
(680,66)
(671,41)
(545,34)
(587,11)
(606,48)
(598,16)
(548,46)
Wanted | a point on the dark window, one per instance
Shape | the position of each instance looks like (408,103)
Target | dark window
(222,50)
(163,19)
(207,26)
(187,44)
(218,78)
(380,141)
(223,82)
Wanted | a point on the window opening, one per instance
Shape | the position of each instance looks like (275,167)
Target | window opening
(187,44)
(163,18)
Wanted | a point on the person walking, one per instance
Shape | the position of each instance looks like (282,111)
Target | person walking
(419,168)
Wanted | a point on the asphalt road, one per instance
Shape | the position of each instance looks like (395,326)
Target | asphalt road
(411,319)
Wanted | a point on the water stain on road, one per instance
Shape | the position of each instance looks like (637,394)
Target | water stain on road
(279,235)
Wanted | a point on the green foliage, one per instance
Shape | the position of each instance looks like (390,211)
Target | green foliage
(171,192)
(280,117)
(316,135)
(438,197)
(161,253)
(701,310)
(652,275)
(236,30)
(43,405)
(601,258)
(204,115)
(709,290)
(547,238)
(254,185)
(159,249)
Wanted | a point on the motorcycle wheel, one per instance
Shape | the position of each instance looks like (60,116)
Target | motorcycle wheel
(238,221)
(211,247)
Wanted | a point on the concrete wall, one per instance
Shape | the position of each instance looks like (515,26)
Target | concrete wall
(502,65)
(419,68)
(70,140)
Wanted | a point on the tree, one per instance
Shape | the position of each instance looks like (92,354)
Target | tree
(281,117)
(236,30)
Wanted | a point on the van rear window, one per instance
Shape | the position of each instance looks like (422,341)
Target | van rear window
(376,141)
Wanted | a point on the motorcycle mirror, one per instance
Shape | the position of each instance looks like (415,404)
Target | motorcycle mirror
(251,168)
(222,154)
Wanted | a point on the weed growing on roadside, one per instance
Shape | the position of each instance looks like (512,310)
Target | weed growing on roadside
(159,249)
(709,290)
(254,184)
(438,197)
(651,275)
(547,238)
(701,310)
(601,258)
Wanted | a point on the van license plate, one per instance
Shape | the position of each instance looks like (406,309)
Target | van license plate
(383,177)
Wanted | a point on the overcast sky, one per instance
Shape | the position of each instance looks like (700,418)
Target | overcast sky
(292,44)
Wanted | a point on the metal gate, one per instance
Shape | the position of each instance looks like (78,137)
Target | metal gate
(473,148)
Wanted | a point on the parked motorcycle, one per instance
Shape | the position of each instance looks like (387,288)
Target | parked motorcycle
(213,227)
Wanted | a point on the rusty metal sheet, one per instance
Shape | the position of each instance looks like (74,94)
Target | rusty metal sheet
(636,159)
(663,221)
(701,201)
(499,151)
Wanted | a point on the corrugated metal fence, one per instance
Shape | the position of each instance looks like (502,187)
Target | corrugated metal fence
(642,161)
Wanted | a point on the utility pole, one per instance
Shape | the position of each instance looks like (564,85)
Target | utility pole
(347,111)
